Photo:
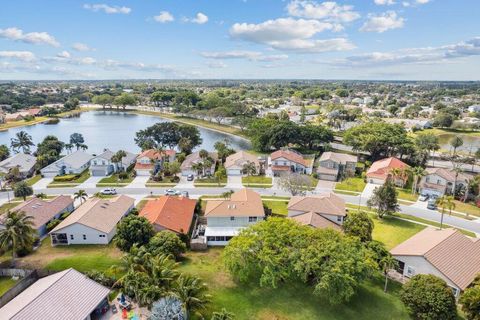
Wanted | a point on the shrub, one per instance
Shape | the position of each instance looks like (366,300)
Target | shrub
(66,177)
(52,224)
(123,175)
(64,215)
(101,278)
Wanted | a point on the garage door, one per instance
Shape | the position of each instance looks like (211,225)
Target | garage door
(49,174)
(98,173)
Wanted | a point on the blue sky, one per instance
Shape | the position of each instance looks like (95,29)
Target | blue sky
(166,39)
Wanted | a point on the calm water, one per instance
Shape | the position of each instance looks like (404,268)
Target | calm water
(111,129)
(470,143)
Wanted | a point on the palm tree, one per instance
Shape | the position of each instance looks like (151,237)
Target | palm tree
(192,293)
(69,147)
(445,202)
(249,168)
(80,194)
(395,173)
(223,315)
(456,142)
(117,158)
(227,194)
(417,173)
(22,141)
(18,233)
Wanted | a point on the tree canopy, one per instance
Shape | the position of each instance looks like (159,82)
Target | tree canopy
(169,134)
(133,230)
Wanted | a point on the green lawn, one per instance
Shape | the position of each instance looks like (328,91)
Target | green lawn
(7,206)
(254,181)
(114,181)
(209,182)
(467,208)
(288,301)
(277,207)
(405,194)
(351,184)
(392,231)
(31,181)
(82,178)
(5,284)
(81,257)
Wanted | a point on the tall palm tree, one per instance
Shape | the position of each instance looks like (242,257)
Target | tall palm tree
(117,158)
(249,168)
(80,194)
(18,233)
(418,173)
(191,291)
(456,142)
(445,202)
(22,141)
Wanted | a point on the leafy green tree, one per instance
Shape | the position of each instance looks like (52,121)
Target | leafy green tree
(425,143)
(133,230)
(443,120)
(4,152)
(103,100)
(295,183)
(223,150)
(22,141)
(384,199)
(359,224)
(13,175)
(71,104)
(48,151)
(470,301)
(77,140)
(167,243)
(124,100)
(428,297)
(18,233)
(456,143)
(22,189)
(169,134)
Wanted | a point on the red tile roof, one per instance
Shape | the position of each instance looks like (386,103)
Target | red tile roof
(381,168)
(289,155)
(154,154)
(172,213)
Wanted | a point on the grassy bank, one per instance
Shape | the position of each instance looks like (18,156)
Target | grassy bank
(22,123)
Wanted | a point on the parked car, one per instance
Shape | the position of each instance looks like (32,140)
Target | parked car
(423,197)
(108,191)
(432,204)
(185,194)
(172,192)
(190,177)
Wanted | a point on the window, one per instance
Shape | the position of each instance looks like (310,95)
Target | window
(228,238)
(232,218)
(210,238)
(84,237)
(95,162)
(101,235)
(339,218)
(252,219)
(219,238)
(71,237)
(410,271)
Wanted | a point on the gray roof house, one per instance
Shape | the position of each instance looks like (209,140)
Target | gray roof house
(333,165)
(187,166)
(74,163)
(25,162)
(102,165)
(68,294)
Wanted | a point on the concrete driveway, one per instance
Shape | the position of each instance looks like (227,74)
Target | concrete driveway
(90,182)
(183,183)
(325,186)
(138,182)
(368,191)
(42,183)
(234,182)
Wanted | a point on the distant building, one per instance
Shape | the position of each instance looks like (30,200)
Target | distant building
(474,108)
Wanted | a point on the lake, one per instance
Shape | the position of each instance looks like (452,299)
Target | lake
(470,143)
(114,130)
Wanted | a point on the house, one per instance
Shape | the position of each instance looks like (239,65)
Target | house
(234,163)
(94,222)
(17,116)
(68,294)
(474,108)
(34,112)
(102,165)
(447,254)
(412,124)
(334,165)
(74,163)
(150,161)
(225,218)
(193,159)
(326,210)
(282,161)
(170,213)
(440,181)
(44,211)
(24,162)
(381,170)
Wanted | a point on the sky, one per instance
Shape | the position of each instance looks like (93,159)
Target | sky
(240,39)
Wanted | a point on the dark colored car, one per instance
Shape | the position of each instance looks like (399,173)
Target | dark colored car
(432,204)
(190,177)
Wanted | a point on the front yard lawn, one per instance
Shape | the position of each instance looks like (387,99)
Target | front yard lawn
(288,301)
(76,181)
(260,181)
(31,181)
(405,194)
(468,208)
(351,184)
(114,181)
(277,207)
(7,206)
(5,284)
(209,182)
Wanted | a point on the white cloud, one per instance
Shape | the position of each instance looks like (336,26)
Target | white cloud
(20,55)
(422,1)
(385,21)
(81,47)
(64,54)
(216,65)
(200,18)
(107,9)
(17,34)
(384,2)
(164,17)
(240,54)
(291,34)
(329,11)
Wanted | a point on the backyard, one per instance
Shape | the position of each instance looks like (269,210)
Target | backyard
(278,207)
(288,301)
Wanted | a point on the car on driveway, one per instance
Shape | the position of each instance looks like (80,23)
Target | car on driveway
(109,191)
(190,177)
(172,192)
(423,197)
(185,194)
(432,204)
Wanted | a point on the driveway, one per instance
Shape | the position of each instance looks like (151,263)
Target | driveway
(42,183)
(183,183)
(234,182)
(90,182)
(368,191)
(138,182)
(325,186)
